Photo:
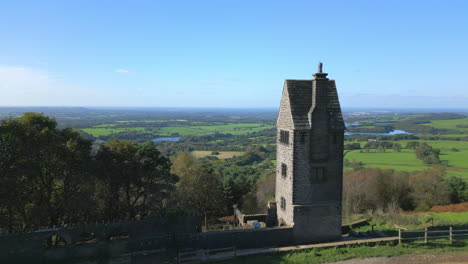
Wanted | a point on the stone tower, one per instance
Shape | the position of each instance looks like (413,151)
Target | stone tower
(309,170)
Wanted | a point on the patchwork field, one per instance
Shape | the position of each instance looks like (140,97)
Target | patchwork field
(102,130)
(449,124)
(181,130)
(235,129)
(406,160)
(221,155)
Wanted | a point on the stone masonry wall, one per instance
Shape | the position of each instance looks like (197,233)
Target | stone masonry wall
(284,155)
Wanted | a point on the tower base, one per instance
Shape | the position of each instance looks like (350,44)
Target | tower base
(317,222)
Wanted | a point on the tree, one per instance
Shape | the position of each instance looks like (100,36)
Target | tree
(429,189)
(44,172)
(427,154)
(397,147)
(412,145)
(135,180)
(198,187)
(370,189)
(458,189)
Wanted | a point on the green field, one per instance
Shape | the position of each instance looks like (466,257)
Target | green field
(221,155)
(449,124)
(460,218)
(235,129)
(406,159)
(105,131)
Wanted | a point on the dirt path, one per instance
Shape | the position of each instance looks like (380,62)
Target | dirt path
(451,258)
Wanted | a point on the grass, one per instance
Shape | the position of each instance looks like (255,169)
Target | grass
(235,129)
(104,131)
(390,157)
(221,155)
(457,159)
(187,130)
(449,218)
(106,125)
(449,124)
(391,222)
(440,144)
(406,159)
(350,252)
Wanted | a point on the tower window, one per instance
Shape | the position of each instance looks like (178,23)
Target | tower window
(319,175)
(284,170)
(284,136)
(283,203)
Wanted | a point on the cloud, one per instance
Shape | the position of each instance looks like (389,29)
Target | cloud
(122,71)
(24,86)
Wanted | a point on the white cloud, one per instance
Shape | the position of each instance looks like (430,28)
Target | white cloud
(122,71)
(24,86)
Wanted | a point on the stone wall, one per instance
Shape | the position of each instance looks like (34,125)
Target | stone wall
(163,236)
(97,239)
(284,154)
(248,238)
(317,222)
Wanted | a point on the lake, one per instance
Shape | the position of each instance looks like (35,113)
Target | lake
(166,139)
(394,132)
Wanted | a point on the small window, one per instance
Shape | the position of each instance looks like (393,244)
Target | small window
(319,175)
(284,170)
(284,137)
(283,203)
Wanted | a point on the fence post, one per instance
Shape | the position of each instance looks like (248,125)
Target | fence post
(451,235)
(399,236)
(425,235)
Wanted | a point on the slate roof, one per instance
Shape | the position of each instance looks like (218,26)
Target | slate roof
(300,98)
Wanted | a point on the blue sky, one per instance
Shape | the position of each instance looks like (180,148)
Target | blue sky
(231,53)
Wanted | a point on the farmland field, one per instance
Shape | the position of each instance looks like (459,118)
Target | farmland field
(235,129)
(457,161)
(221,155)
(109,129)
(182,130)
(449,124)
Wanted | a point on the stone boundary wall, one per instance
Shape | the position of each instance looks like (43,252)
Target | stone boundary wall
(164,236)
(247,238)
(107,239)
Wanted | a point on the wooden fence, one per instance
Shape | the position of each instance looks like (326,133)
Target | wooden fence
(427,235)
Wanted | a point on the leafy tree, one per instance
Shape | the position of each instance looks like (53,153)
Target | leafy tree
(427,154)
(352,146)
(429,189)
(397,147)
(412,145)
(199,188)
(44,172)
(135,180)
(458,189)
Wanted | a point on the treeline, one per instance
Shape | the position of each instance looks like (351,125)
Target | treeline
(218,142)
(388,190)
(211,186)
(373,129)
(51,176)
(365,138)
